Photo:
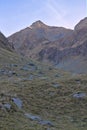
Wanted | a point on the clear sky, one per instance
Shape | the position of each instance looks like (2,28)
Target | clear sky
(18,14)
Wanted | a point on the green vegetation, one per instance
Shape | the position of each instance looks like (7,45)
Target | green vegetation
(45,92)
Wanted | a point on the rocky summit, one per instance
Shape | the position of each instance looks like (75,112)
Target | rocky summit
(43,78)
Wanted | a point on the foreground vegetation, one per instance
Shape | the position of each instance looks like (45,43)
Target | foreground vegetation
(48,98)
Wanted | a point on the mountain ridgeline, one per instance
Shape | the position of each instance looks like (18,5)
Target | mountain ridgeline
(65,48)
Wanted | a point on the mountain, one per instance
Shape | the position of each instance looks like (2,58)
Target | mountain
(4,42)
(36,37)
(82,24)
(53,44)
(38,96)
(77,54)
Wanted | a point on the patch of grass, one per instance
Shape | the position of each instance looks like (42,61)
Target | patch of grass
(40,97)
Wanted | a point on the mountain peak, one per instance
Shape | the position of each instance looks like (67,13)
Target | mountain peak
(38,23)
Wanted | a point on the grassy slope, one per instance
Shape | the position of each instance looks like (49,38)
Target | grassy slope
(40,97)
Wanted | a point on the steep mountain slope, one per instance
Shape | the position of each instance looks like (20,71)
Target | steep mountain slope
(76,56)
(54,44)
(76,45)
(4,42)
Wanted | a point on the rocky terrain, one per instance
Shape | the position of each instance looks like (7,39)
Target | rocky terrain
(4,43)
(53,44)
(39,96)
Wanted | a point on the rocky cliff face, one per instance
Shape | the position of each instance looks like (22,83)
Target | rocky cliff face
(53,44)
(4,42)
(81,25)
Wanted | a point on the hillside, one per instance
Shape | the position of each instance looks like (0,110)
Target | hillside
(4,42)
(36,96)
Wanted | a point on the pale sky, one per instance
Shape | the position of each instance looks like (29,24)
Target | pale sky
(18,14)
